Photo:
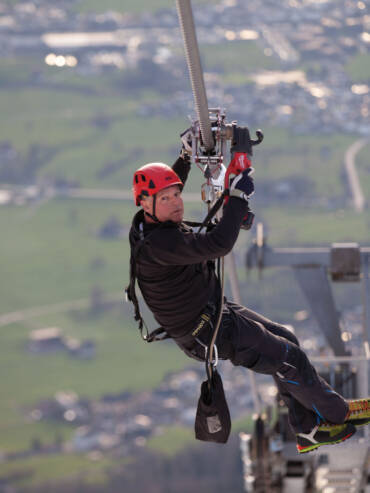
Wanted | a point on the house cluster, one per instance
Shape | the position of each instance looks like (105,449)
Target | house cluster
(50,340)
(321,100)
(124,421)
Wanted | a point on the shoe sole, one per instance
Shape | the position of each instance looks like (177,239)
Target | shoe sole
(310,448)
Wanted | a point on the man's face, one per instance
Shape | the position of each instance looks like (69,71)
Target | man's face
(169,205)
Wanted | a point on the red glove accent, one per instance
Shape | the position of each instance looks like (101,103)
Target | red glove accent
(238,164)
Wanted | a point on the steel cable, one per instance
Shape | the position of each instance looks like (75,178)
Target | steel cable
(187,26)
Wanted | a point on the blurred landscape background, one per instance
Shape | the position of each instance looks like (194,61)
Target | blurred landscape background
(89,92)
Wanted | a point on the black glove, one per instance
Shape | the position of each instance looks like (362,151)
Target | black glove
(242,185)
(241,140)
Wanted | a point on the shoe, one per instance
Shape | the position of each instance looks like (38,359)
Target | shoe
(324,434)
(358,412)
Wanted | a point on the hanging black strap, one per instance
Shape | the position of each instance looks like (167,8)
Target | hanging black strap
(158,334)
(206,223)
(131,292)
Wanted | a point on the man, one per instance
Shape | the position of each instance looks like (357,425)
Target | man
(175,271)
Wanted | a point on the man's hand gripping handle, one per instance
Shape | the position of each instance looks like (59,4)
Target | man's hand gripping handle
(240,167)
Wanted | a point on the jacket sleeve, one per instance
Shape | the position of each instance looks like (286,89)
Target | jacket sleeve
(182,167)
(171,246)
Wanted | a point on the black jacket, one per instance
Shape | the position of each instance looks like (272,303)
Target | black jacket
(172,268)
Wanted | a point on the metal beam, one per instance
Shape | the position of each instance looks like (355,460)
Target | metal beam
(264,256)
(315,285)
(366,294)
(312,267)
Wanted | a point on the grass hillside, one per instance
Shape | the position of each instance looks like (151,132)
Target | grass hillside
(131,6)
(54,253)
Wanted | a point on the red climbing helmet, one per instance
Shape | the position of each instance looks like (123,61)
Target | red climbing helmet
(151,178)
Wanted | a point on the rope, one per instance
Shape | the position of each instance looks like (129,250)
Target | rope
(209,359)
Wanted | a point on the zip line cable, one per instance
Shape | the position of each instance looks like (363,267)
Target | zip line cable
(187,26)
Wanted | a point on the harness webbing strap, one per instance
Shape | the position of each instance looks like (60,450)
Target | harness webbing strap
(131,292)
(213,211)
(131,296)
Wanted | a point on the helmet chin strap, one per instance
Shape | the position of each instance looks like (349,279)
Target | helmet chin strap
(153,216)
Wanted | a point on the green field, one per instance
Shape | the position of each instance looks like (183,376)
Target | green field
(236,60)
(128,5)
(42,469)
(319,158)
(125,6)
(63,124)
(173,439)
(358,68)
(52,250)
(299,226)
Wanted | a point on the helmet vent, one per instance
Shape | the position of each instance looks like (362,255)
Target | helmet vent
(151,184)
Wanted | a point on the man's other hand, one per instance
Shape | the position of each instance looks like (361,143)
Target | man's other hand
(243,183)
(187,139)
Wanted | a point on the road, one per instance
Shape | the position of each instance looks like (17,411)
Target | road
(39,311)
(96,193)
(358,199)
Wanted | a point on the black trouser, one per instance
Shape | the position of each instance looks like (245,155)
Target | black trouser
(255,342)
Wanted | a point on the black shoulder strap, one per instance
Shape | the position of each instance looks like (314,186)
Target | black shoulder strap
(131,295)
(206,223)
(212,212)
